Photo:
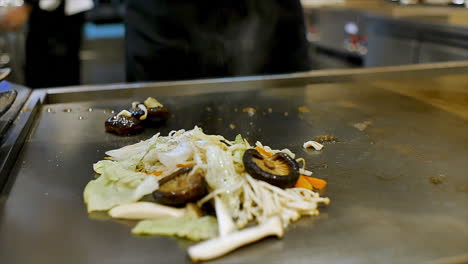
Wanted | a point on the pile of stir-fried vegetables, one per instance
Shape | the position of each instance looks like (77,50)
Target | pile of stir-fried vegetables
(188,170)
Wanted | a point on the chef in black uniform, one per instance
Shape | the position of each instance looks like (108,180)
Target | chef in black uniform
(53,40)
(192,39)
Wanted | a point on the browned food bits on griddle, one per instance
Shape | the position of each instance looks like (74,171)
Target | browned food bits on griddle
(436,180)
(326,138)
(303,109)
(249,110)
(124,125)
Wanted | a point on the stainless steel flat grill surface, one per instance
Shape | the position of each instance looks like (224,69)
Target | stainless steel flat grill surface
(398,178)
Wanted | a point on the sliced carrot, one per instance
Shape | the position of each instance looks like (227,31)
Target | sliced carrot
(263,152)
(156,173)
(317,183)
(185,165)
(302,182)
(310,183)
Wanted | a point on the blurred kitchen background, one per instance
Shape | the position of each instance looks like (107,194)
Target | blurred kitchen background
(341,33)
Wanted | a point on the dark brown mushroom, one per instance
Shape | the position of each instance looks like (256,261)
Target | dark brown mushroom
(137,112)
(157,116)
(123,125)
(180,188)
(280,169)
(151,113)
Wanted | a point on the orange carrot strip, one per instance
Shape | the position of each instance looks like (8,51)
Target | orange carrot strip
(302,182)
(263,152)
(156,173)
(317,183)
(185,165)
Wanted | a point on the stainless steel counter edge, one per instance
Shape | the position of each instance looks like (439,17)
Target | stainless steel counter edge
(84,93)
(408,21)
(7,118)
(17,134)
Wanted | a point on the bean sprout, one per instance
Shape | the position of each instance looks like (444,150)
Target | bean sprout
(262,200)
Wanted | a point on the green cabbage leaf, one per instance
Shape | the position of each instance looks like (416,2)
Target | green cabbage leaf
(185,227)
(118,183)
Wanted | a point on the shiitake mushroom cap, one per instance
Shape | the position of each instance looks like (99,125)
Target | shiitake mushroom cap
(157,116)
(126,125)
(137,112)
(180,188)
(280,169)
(123,125)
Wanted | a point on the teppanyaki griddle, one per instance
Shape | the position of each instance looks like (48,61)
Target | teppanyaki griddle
(12,99)
(397,175)
(6,100)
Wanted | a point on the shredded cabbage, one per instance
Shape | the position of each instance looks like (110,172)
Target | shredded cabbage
(99,166)
(117,185)
(186,227)
(222,175)
(132,150)
(134,171)
(178,155)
